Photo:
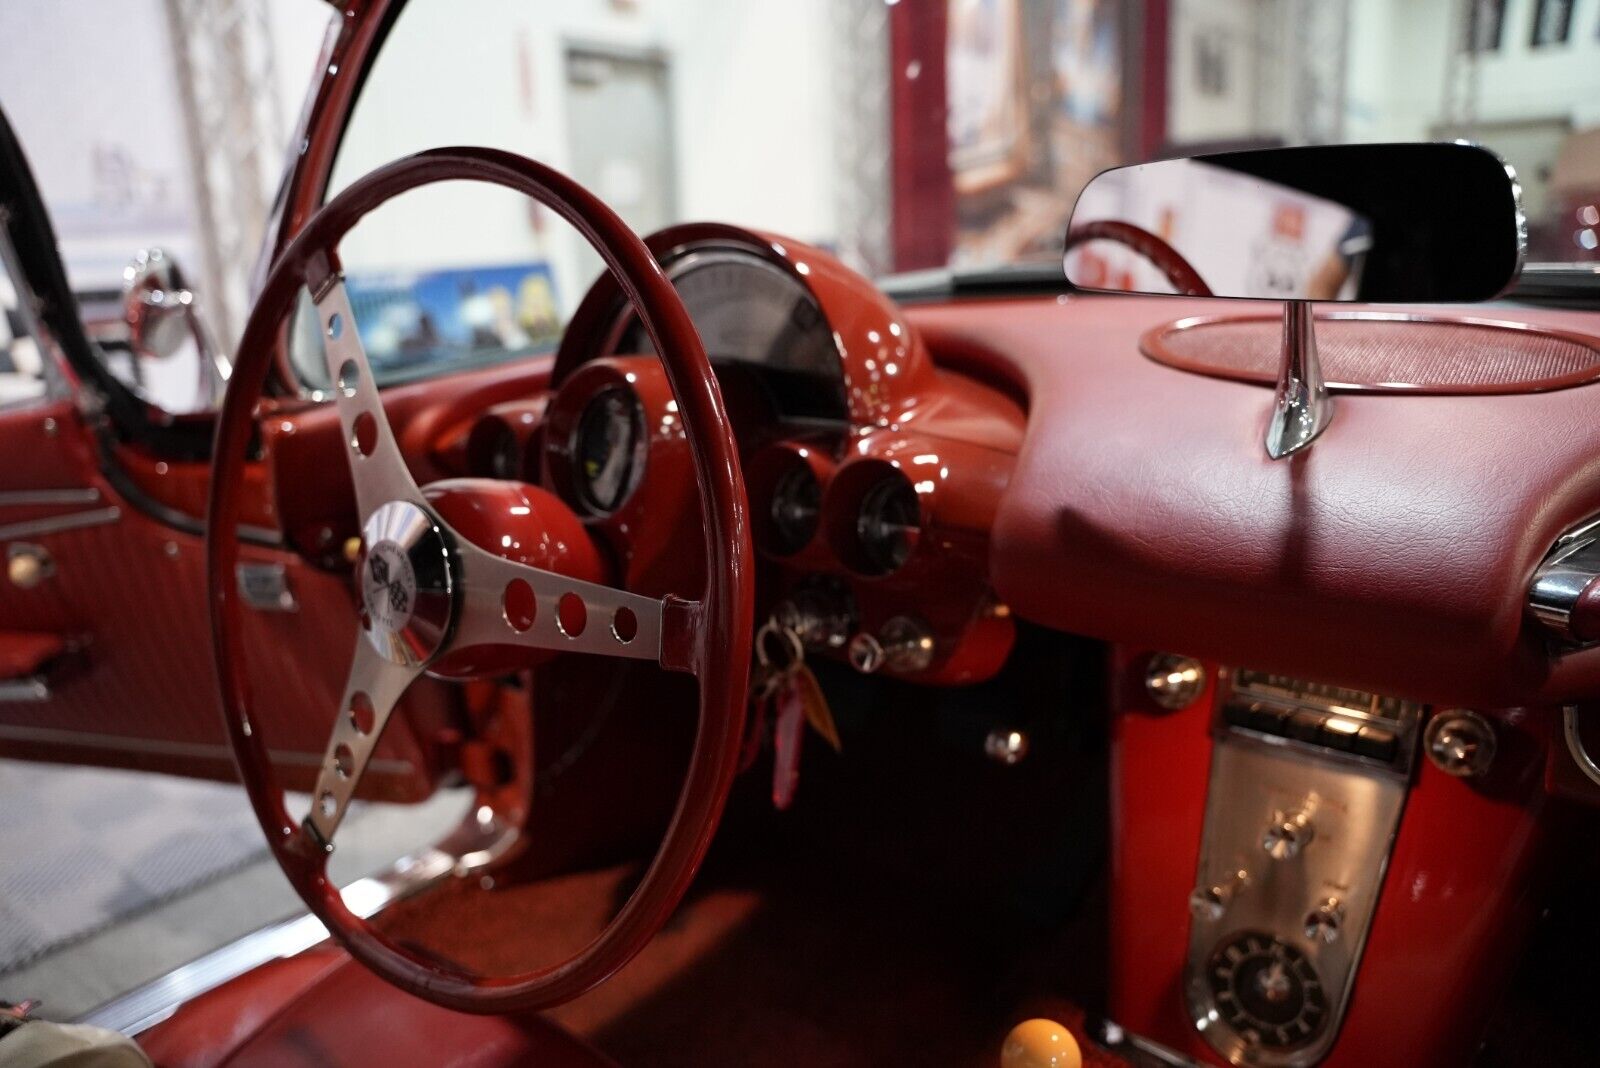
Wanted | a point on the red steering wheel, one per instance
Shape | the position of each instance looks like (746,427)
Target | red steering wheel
(1168,260)
(428,592)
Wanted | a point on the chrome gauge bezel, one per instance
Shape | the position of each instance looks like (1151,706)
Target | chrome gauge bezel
(580,497)
(687,258)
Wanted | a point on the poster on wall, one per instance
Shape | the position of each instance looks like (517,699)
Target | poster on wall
(409,320)
(1035,110)
(988,103)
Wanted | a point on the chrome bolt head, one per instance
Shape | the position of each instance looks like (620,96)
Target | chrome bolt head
(1460,743)
(1173,681)
(1005,746)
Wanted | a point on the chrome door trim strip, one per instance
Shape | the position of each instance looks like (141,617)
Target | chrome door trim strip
(203,750)
(55,524)
(65,495)
(30,690)
(144,1007)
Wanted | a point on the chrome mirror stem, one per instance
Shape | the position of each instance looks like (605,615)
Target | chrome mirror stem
(1302,407)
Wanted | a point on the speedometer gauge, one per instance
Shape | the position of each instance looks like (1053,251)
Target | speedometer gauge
(607,449)
(753,313)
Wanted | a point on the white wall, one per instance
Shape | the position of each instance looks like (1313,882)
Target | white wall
(1522,100)
(753,132)
(88,88)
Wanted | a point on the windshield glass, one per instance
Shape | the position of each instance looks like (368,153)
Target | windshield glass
(910,135)
(899,134)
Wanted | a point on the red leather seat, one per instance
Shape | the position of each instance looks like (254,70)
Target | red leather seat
(323,1010)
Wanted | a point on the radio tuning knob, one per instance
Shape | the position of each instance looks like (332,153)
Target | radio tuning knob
(1288,834)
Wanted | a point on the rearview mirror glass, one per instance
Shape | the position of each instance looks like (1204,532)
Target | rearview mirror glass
(1371,223)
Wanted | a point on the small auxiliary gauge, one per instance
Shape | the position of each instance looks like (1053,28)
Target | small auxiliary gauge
(1267,991)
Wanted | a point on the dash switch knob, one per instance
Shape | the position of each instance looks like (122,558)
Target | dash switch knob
(1325,922)
(1288,834)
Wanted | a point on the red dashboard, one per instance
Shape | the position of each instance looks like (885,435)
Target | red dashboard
(1395,555)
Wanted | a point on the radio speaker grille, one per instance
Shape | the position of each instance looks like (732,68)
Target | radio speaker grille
(1378,352)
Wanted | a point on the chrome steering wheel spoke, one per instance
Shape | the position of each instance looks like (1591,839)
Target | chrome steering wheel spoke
(376,466)
(506,603)
(427,591)
(370,695)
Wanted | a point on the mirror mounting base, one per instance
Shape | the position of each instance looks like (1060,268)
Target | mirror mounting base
(1302,407)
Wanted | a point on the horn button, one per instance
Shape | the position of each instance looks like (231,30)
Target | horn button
(406,585)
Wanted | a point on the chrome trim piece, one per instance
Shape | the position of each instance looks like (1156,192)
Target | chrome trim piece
(68,495)
(57,523)
(1568,569)
(265,587)
(1302,407)
(1575,746)
(1144,1052)
(143,1008)
(191,750)
(29,690)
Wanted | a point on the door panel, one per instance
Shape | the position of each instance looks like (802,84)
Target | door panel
(136,687)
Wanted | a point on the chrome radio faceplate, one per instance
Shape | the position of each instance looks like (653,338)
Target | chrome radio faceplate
(1307,785)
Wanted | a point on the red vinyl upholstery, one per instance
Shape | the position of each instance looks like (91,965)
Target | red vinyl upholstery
(23,653)
(323,1010)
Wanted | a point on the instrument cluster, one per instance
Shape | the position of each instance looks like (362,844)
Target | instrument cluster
(873,476)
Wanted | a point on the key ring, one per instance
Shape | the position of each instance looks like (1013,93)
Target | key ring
(770,629)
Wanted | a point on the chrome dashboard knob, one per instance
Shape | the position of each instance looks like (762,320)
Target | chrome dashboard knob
(865,653)
(1288,834)
(1210,901)
(907,645)
(903,645)
(1325,922)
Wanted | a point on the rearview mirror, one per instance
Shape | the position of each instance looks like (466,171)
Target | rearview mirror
(1373,223)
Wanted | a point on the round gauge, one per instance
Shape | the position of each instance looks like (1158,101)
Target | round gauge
(607,449)
(796,506)
(888,524)
(753,313)
(1267,991)
(493,450)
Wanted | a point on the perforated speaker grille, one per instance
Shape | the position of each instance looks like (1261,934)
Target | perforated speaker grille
(1375,351)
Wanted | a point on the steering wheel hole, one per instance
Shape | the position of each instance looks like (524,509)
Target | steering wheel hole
(520,605)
